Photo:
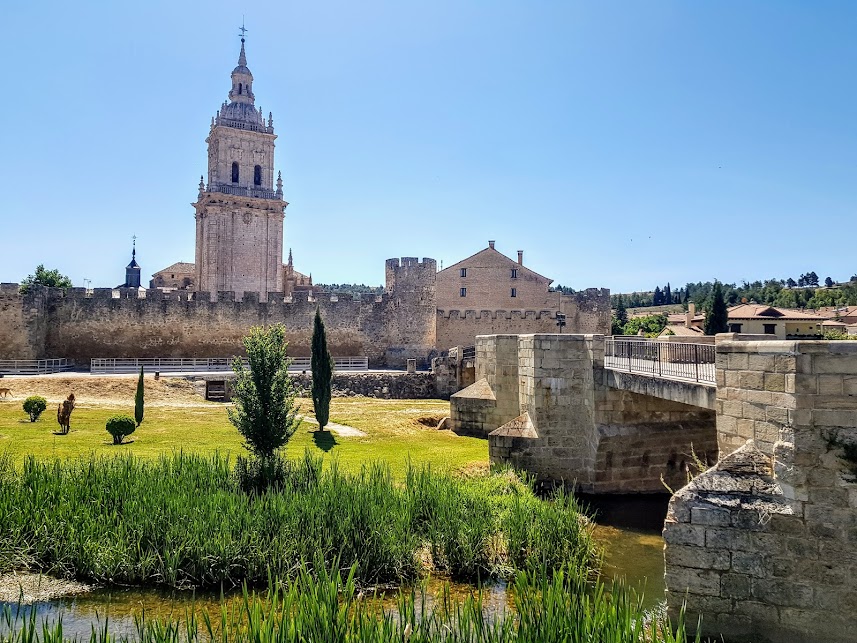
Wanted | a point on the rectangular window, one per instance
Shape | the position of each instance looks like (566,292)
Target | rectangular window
(463,272)
(514,292)
(770,329)
(734,328)
(514,273)
(463,292)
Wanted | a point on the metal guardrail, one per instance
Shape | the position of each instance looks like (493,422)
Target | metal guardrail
(34,366)
(679,361)
(103,365)
(468,352)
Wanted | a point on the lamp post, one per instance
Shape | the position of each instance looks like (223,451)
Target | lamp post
(560,320)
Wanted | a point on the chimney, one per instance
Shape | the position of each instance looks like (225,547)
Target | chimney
(520,257)
(491,244)
(691,313)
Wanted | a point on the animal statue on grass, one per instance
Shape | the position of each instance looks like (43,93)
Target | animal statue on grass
(64,414)
(5,392)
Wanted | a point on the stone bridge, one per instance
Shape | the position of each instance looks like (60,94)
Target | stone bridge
(763,544)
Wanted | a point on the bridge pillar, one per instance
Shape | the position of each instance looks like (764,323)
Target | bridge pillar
(762,545)
(554,437)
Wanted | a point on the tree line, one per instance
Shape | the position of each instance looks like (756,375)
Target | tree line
(805,292)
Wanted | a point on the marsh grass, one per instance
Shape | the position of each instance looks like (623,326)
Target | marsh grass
(180,521)
(326,605)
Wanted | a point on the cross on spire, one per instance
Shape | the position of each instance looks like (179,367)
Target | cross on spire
(134,246)
(242,29)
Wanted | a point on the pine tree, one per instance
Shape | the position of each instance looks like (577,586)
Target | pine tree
(657,297)
(828,282)
(716,317)
(138,400)
(322,372)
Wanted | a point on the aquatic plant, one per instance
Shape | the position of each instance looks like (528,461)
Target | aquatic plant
(325,605)
(182,521)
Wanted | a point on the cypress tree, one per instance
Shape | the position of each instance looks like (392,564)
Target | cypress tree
(657,297)
(138,400)
(322,372)
(668,296)
(621,312)
(716,317)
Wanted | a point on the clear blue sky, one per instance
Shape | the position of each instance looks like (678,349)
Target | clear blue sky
(619,144)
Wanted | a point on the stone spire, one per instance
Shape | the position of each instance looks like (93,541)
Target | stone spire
(201,187)
(242,57)
(280,192)
(290,257)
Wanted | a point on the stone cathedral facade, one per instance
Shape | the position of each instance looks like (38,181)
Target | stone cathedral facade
(240,212)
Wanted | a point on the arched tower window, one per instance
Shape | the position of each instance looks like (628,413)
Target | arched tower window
(257,175)
(235,172)
(239,88)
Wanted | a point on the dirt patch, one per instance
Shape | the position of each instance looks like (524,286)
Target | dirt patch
(97,390)
(30,588)
(431,421)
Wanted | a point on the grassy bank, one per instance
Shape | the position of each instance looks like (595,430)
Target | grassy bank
(179,521)
(179,419)
(325,606)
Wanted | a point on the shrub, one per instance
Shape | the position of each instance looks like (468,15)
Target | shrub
(120,427)
(34,406)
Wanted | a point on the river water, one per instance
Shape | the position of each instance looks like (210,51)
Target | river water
(628,528)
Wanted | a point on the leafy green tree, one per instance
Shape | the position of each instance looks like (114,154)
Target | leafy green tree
(138,400)
(657,297)
(716,316)
(265,413)
(120,427)
(42,277)
(651,325)
(34,406)
(322,372)
(828,282)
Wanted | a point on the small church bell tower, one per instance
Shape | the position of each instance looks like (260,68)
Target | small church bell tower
(132,270)
(240,213)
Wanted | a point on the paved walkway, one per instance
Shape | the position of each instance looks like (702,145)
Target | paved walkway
(339,429)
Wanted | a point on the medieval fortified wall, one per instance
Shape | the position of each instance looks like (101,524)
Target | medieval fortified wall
(402,323)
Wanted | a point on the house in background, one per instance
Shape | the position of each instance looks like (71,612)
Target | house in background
(785,323)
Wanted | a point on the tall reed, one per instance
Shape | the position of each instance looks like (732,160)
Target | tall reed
(181,521)
(325,606)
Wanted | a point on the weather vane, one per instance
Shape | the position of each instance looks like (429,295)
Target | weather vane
(242,29)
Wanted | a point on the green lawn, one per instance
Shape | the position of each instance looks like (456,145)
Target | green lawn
(393,433)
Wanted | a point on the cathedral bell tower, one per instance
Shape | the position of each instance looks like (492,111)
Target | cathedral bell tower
(239,214)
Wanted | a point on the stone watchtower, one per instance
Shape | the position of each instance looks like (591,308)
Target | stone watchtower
(239,215)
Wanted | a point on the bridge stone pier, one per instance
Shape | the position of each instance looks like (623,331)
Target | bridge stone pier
(763,544)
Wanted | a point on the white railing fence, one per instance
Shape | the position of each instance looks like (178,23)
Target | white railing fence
(103,365)
(34,366)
